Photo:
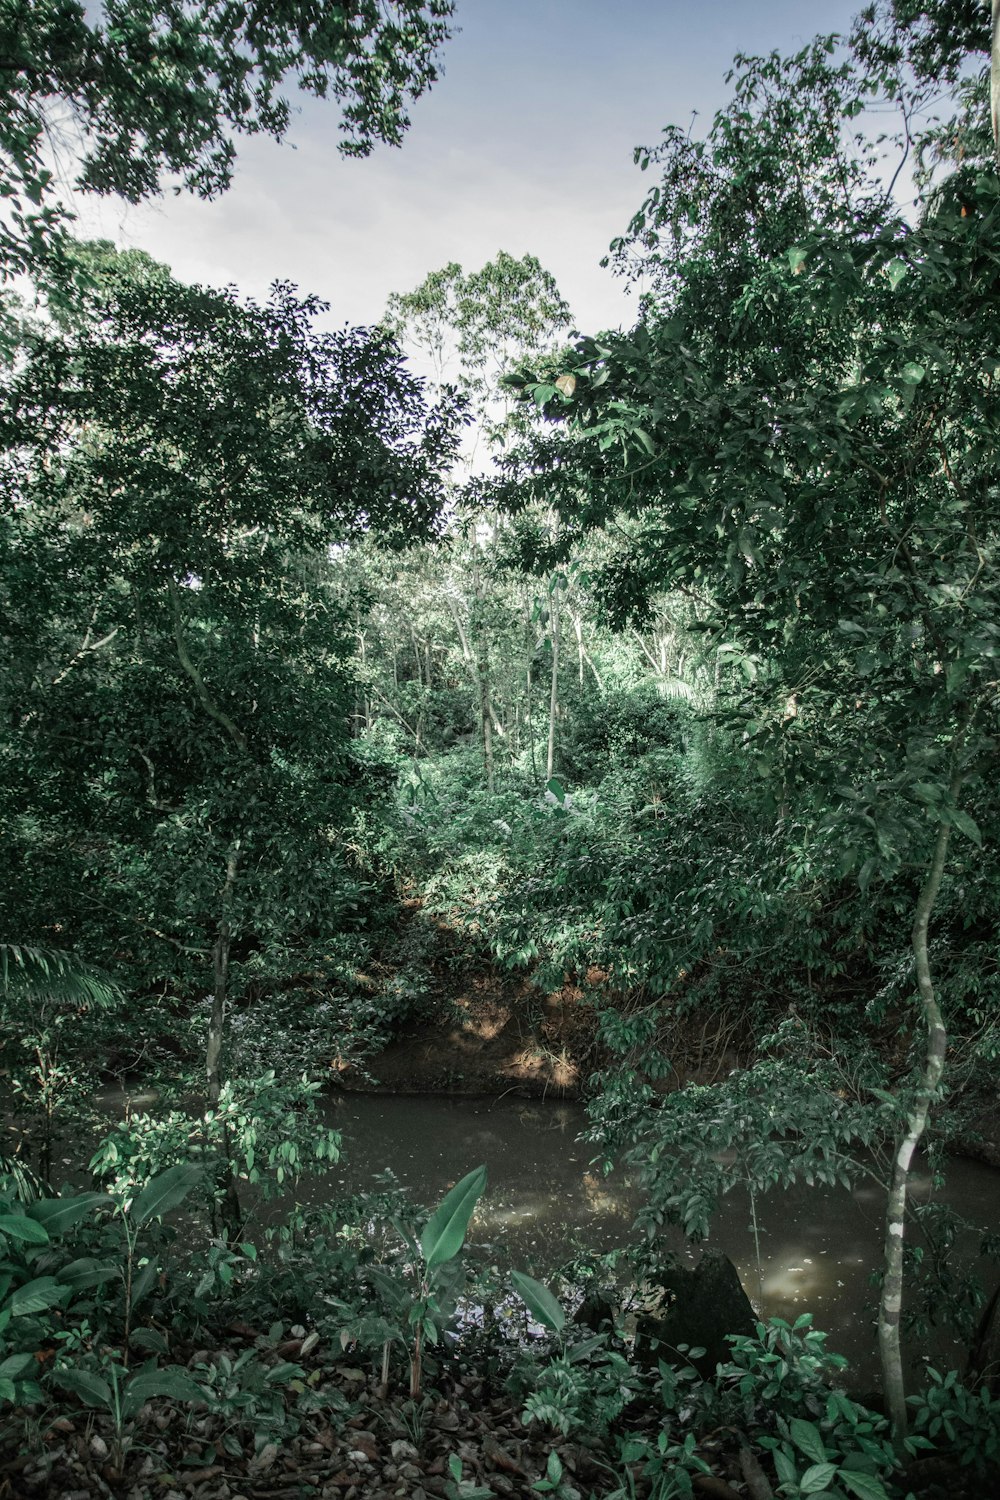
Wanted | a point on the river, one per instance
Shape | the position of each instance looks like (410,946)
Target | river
(544,1202)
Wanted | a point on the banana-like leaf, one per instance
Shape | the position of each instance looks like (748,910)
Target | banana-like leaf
(164,1191)
(444,1232)
(88,1272)
(90,1388)
(170,1382)
(17,1227)
(143,1283)
(36,1296)
(59,1214)
(540,1302)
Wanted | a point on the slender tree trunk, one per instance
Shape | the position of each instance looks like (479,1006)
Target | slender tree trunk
(232,1213)
(550,759)
(891,1303)
(995,80)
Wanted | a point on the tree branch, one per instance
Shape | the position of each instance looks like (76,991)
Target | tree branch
(184,657)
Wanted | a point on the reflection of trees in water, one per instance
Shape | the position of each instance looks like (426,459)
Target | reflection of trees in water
(603,1200)
(549,1117)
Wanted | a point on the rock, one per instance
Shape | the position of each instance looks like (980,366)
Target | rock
(709,1303)
(99,1448)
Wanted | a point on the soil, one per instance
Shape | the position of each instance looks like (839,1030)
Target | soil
(500,1035)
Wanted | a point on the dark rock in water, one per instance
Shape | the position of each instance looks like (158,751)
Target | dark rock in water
(597,1310)
(708,1303)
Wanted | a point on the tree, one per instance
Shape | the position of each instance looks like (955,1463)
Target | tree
(803,423)
(177,466)
(159,91)
(474,328)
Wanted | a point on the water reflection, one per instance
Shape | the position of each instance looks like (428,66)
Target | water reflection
(818,1245)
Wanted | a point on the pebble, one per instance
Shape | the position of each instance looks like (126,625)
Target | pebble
(99,1448)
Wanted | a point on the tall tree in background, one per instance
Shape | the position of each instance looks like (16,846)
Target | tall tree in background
(472,329)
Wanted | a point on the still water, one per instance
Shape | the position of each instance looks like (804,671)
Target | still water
(818,1245)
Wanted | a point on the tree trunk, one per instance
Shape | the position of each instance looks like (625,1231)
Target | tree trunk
(995,80)
(890,1306)
(232,1213)
(550,759)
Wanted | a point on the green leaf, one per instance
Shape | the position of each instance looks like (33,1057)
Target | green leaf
(150,1339)
(36,1296)
(865,1486)
(90,1388)
(784,1468)
(143,1283)
(912,373)
(164,1192)
(896,270)
(16,1366)
(796,259)
(17,1227)
(817,1477)
(171,1382)
(806,1435)
(540,1302)
(966,825)
(444,1232)
(87,1272)
(60,1214)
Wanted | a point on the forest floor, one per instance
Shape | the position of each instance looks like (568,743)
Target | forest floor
(339,1435)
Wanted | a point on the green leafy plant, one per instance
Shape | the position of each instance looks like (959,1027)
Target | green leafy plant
(457,1488)
(961,1421)
(422,1292)
(110,1387)
(32,1304)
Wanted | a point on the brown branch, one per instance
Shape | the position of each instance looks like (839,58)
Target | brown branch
(183,655)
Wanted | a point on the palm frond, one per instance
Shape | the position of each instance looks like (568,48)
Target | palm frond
(51,974)
(28,1186)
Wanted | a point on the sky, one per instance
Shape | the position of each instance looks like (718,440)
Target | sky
(524,144)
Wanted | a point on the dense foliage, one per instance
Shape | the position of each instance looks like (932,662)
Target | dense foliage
(681,715)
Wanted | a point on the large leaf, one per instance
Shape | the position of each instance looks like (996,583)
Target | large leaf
(865,1486)
(60,1214)
(171,1382)
(807,1436)
(164,1192)
(17,1227)
(540,1302)
(16,1366)
(90,1388)
(87,1272)
(35,1296)
(444,1231)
